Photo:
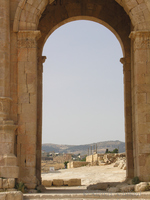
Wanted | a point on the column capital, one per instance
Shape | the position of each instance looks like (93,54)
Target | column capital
(141,39)
(123,60)
(43,59)
(142,34)
(126,63)
(28,39)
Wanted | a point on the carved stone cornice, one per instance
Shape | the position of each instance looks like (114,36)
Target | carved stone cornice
(126,63)
(43,59)
(141,39)
(135,34)
(28,39)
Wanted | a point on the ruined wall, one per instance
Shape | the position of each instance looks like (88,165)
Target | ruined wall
(25,26)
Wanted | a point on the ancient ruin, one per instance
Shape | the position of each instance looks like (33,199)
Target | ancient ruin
(25,26)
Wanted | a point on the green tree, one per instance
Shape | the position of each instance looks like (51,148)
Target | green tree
(106,151)
(65,163)
(115,151)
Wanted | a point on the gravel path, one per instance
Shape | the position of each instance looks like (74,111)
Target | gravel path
(89,175)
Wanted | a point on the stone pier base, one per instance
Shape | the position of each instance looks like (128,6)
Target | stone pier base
(11,196)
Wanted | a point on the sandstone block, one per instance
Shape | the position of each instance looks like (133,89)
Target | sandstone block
(5,183)
(121,185)
(9,172)
(11,190)
(10,160)
(1,183)
(30,185)
(18,195)
(41,188)
(128,188)
(113,189)
(116,164)
(10,195)
(98,186)
(124,167)
(143,186)
(11,183)
(74,182)
(58,182)
(47,183)
(2,196)
(121,164)
(66,182)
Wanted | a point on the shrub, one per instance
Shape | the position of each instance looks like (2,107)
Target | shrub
(20,187)
(135,180)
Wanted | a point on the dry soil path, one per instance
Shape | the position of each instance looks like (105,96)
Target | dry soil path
(89,175)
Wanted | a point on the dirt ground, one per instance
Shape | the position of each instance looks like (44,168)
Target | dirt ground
(89,174)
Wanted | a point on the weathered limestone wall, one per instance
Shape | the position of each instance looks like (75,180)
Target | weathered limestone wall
(8,160)
(75,164)
(89,158)
(141,108)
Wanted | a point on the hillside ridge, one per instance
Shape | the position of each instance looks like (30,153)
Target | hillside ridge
(83,149)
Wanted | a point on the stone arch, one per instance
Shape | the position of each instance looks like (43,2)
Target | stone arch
(32,27)
(29,12)
(71,11)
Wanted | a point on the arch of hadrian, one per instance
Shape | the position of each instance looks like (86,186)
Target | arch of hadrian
(24,27)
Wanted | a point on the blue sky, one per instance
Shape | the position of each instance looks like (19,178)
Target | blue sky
(82,85)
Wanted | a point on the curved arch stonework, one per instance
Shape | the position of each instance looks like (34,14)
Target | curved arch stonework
(27,25)
(29,12)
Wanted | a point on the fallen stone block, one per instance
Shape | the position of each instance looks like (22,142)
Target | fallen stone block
(128,188)
(116,164)
(41,188)
(74,182)
(58,182)
(47,183)
(143,186)
(121,185)
(113,189)
(98,186)
(102,186)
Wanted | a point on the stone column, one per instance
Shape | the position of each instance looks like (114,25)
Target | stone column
(8,161)
(128,115)
(27,106)
(41,60)
(141,102)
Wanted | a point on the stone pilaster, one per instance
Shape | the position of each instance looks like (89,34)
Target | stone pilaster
(4,48)
(27,106)
(8,161)
(141,103)
(41,60)
(128,115)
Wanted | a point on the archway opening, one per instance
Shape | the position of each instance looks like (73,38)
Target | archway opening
(83,86)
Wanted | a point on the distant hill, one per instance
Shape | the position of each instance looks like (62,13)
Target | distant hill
(83,149)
